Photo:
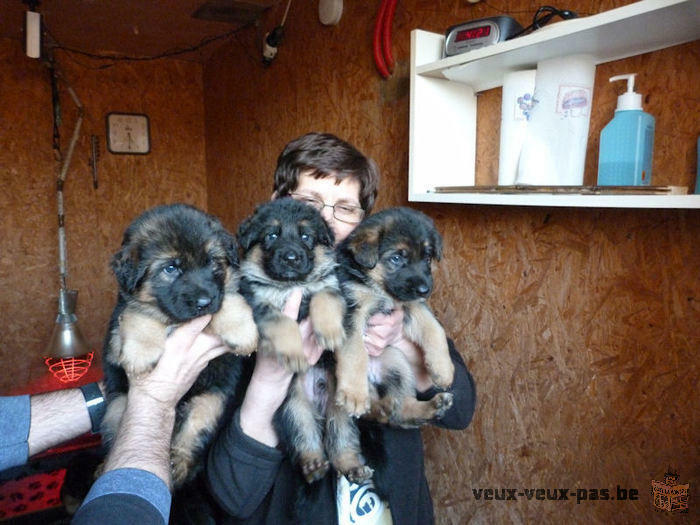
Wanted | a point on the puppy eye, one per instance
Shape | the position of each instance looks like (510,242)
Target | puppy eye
(305,237)
(171,269)
(271,236)
(396,258)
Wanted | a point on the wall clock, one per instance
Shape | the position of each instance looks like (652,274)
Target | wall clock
(128,133)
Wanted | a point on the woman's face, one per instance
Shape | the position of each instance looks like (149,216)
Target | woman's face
(328,191)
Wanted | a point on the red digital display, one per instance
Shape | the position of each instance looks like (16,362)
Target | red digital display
(471,34)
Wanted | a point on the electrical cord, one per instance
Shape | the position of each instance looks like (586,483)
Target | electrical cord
(273,39)
(175,52)
(542,17)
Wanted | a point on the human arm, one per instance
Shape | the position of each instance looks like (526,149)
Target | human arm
(243,462)
(49,414)
(270,381)
(32,424)
(136,478)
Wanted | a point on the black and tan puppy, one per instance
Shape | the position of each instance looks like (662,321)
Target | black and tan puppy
(176,263)
(385,263)
(286,244)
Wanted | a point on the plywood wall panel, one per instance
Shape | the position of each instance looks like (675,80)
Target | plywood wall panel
(581,326)
(170,92)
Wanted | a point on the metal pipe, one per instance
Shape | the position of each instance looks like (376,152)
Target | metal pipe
(62,257)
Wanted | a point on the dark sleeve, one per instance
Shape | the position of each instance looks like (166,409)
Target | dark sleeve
(126,496)
(118,509)
(463,390)
(240,470)
(14,431)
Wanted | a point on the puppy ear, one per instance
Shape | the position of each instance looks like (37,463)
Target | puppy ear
(246,234)
(230,246)
(325,234)
(364,246)
(436,241)
(127,268)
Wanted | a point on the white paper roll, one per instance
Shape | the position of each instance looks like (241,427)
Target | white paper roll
(518,89)
(554,151)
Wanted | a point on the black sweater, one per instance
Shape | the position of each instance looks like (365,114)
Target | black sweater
(254,483)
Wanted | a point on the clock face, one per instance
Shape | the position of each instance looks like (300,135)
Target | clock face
(128,133)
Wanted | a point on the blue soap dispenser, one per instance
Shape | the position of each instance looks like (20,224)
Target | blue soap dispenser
(627,142)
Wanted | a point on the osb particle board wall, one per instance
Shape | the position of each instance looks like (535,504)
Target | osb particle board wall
(170,92)
(580,326)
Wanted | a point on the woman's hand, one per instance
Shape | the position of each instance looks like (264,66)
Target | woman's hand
(270,380)
(383,330)
(387,330)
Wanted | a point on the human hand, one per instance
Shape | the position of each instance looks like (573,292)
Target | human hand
(383,330)
(187,352)
(387,330)
(270,381)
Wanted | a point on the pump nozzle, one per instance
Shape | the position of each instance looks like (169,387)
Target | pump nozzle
(629,99)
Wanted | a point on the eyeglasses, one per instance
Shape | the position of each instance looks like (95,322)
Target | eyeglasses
(343,212)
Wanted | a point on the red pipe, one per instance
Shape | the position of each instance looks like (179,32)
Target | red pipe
(376,44)
(386,30)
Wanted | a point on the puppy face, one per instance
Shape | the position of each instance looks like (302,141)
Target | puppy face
(285,238)
(395,249)
(176,258)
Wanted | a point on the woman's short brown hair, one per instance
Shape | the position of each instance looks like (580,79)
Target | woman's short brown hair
(325,155)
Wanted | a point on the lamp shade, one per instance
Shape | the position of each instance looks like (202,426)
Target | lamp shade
(67,340)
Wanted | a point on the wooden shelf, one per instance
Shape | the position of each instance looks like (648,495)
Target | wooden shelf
(442,136)
(563,200)
(630,30)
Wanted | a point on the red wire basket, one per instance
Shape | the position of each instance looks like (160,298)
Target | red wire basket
(69,369)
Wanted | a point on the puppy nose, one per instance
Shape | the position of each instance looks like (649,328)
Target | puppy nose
(203,301)
(422,289)
(291,256)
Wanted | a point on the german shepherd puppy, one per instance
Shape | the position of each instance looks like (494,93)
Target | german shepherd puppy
(384,263)
(176,263)
(286,244)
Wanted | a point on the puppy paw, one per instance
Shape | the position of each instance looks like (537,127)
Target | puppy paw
(439,364)
(359,474)
(235,325)
(354,399)
(442,402)
(330,337)
(99,470)
(314,467)
(382,410)
(327,311)
(442,374)
(180,467)
(282,339)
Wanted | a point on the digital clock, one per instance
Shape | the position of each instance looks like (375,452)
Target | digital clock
(474,34)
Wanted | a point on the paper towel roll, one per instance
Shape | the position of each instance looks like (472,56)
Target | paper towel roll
(554,151)
(518,88)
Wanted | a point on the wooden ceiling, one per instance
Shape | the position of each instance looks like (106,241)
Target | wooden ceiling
(133,27)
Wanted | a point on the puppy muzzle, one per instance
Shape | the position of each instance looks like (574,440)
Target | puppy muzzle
(192,297)
(411,288)
(289,263)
